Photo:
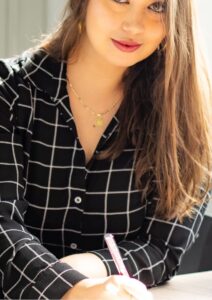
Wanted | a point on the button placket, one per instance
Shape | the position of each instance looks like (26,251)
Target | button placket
(77,200)
(73,246)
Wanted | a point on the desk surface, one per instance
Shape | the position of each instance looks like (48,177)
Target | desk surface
(194,286)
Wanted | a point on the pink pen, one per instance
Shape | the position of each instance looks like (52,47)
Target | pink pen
(114,251)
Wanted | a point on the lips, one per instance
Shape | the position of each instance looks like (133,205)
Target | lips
(126,46)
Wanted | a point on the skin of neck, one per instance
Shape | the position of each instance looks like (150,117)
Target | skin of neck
(93,78)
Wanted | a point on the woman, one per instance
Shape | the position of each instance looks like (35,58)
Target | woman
(104,129)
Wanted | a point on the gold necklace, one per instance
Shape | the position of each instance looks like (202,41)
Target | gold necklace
(99,117)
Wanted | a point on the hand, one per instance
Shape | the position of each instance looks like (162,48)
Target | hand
(88,264)
(114,287)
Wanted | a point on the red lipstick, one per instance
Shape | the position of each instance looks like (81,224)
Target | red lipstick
(126,46)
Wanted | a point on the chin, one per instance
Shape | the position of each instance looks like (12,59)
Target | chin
(126,65)
(125,62)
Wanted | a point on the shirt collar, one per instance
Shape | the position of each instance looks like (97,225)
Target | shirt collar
(45,73)
(49,75)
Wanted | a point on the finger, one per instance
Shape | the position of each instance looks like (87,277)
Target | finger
(115,288)
(112,288)
(128,283)
(132,287)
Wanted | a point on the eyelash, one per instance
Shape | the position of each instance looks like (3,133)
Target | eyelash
(160,10)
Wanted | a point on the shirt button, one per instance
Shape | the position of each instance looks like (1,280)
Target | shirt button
(73,246)
(78,200)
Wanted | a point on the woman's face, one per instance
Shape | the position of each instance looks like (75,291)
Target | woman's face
(124,32)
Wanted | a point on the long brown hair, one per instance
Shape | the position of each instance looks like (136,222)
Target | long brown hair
(166,110)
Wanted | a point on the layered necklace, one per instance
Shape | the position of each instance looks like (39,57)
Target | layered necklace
(99,117)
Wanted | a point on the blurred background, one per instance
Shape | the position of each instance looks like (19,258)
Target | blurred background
(24,21)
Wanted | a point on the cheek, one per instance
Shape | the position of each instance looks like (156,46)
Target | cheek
(155,29)
(100,19)
(157,34)
(95,14)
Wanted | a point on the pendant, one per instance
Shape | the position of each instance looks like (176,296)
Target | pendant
(99,121)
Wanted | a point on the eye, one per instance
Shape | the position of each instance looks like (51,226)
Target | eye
(121,1)
(158,7)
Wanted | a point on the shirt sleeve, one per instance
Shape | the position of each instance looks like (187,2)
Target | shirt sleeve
(27,269)
(155,255)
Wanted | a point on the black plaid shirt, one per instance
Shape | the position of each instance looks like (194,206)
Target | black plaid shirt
(52,204)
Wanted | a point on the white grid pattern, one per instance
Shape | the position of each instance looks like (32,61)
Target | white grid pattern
(42,171)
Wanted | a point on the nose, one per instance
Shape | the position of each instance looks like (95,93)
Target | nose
(134,23)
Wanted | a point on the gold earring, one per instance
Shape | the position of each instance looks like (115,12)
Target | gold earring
(162,45)
(80,27)
(159,48)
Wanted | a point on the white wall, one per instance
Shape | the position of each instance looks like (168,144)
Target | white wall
(54,11)
(204,9)
(22,21)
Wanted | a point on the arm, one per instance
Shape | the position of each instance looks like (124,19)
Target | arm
(87,263)
(155,255)
(27,269)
